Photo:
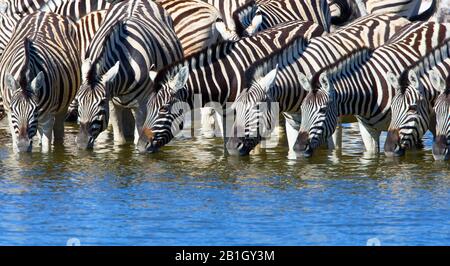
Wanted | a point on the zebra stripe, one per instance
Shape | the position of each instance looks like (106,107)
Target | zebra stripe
(75,9)
(216,74)
(39,75)
(135,38)
(363,92)
(412,104)
(371,31)
(278,11)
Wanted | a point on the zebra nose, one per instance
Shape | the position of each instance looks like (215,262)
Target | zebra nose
(392,145)
(441,148)
(302,142)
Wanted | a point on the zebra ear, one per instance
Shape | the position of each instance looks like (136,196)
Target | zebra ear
(304,81)
(112,73)
(3,7)
(392,79)
(152,73)
(256,23)
(268,80)
(437,81)
(413,79)
(324,82)
(11,82)
(223,31)
(37,83)
(180,80)
(85,67)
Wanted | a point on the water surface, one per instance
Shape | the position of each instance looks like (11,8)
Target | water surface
(191,194)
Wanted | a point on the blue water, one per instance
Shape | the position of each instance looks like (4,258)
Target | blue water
(191,194)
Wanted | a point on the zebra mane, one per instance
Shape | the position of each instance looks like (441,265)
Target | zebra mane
(346,64)
(284,56)
(216,52)
(92,73)
(425,63)
(24,74)
(238,13)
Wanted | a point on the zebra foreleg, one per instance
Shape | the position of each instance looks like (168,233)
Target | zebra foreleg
(292,129)
(139,118)
(58,128)
(371,138)
(208,122)
(116,119)
(45,130)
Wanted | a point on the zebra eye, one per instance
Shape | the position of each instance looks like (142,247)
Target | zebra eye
(323,109)
(412,108)
(164,109)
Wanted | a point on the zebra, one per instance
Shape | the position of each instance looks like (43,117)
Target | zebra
(358,87)
(75,9)
(412,104)
(39,76)
(136,37)
(196,23)
(441,145)
(216,74)
(287,90)
(87,26)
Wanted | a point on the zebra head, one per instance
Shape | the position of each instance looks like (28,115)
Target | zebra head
(319,113)
(165,111)
(24,110)
(93,103)
(410,113)
(254,115)
(441,146)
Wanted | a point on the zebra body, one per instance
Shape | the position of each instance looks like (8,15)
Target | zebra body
(194,23)
(358,87)
(75,9)
(412,104)
(39,76)
(278,11)
(441,82)
(216,74)
(287,90)
(135,38)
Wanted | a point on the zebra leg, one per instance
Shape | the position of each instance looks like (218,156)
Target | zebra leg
(13,134)
(58,128)
(45,129)
(116,116)
(335,142)
(139,118)
(371,138)
(208,122)
(292,129)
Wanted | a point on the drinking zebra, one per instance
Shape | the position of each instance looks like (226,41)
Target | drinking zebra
(135,38)
(357,86)
(39,76)
(287,90)
(412,104)
(216,74)
(441,146)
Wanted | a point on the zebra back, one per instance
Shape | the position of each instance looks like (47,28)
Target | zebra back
(194,23)
(43,42)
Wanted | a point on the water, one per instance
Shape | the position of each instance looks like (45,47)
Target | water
(191,194)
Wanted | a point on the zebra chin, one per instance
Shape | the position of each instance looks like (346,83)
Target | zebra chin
(303,146)
(441,149)
(85,142)
(240,146)
(393,146)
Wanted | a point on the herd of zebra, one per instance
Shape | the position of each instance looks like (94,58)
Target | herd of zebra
(384,63)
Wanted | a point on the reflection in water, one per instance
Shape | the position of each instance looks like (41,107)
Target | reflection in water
(191,193)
